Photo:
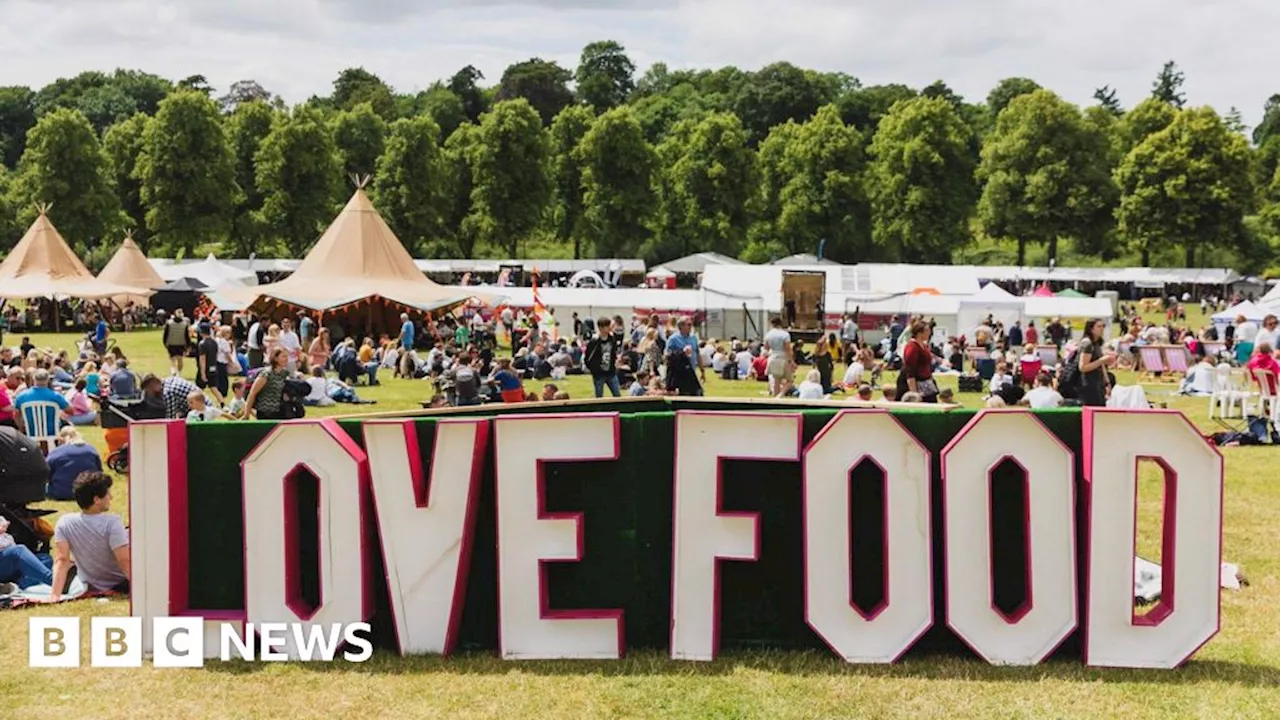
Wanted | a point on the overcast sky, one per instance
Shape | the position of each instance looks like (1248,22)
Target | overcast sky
(296,47)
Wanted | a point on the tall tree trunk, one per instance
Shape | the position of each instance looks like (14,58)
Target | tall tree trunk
(1191,256)
(1146,256)
(1053,250)
(1022,252)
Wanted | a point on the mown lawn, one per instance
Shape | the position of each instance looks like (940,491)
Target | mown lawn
(1236,675)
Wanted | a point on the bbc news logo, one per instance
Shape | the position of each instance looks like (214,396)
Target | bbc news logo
(179,642)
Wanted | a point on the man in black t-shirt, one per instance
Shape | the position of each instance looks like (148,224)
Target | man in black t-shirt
(601,358)
(207,357)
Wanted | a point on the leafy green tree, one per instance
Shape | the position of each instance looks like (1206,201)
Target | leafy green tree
(17,117)
(511,183)
(1269,127)
(1108,100)
(863,108)
(459,150)
(1005,91)
(1045,174)
(466,85)
(774,167)
(658,114)
(776,94)
(411,185)
(298,175)
(64,167)
(606,76)
(123,143)
(360,135)
(247,127)
(570,126)
(1168,85)
(708,189)
(444,107)
(545,85)
(1146,118)
(9,231)
(187,172)
(357,85)
(1188,184)
(618,167)
(815,170)
(920,181)
(146,89)
(104,99)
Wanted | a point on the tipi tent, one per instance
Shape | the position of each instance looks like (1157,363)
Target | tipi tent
(42,265)
(130,267)
(357,266)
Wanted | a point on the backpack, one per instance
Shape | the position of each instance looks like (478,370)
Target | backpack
(1069,376)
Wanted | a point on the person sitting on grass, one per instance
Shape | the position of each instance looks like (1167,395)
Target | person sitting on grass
(72,457)
(95,537)
(640,387)
(319,395)
(80,411)
(864,393)
(890,393)
(946,396)
(549,392)
(509,385)
(912,397)
(19,567)
(811,388)
(201,410)
(339,391)
(562,395)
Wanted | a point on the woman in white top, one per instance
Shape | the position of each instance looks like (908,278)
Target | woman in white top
(1001,377)
(811,388)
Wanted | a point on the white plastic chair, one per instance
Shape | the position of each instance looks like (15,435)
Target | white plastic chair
(1267,402)
(1221,397)
(1242,384)
(40,422)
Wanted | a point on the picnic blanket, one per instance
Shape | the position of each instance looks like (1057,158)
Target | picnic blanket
(40,594)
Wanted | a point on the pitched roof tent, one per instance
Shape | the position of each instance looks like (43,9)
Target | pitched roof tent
(43,265)
(129,266)
(358,257)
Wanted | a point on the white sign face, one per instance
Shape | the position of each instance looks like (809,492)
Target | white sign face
(1048,613)
(1191,554)
(906,610)
(528,536)
(426,509)
(703,534)
(273,586)
(425,523)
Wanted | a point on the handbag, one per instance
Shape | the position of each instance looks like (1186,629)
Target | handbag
(927,388)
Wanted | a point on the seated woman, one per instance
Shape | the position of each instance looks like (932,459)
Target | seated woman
(1263,360)
(19,567)
(80,412)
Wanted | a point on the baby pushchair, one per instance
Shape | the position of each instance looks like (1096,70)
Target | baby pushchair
(118,413)
(24,473)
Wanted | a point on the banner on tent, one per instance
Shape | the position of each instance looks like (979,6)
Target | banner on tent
(575,535)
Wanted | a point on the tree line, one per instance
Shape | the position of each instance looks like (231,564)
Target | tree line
(604,161)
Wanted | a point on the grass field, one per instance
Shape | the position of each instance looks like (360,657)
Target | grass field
(1236,675)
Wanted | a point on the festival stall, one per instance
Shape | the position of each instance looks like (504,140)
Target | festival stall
(991,301)
(182,294)
(1249,310)
(129,266)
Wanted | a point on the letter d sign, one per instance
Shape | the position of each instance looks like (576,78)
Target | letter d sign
(53,642)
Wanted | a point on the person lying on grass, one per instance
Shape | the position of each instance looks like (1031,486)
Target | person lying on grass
(95,537)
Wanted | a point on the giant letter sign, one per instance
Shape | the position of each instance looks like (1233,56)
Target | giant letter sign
(704,534)
(426,523)
(312,494)
(528,536)
(1189,610)
(1048,613)
(272,569)
(905,611)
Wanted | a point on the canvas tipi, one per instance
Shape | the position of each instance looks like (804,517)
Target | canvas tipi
(42,265)
(358,262)
(130,267)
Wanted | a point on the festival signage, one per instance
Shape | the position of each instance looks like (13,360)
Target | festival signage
(573,535)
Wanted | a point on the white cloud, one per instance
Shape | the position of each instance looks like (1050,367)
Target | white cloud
(297,47)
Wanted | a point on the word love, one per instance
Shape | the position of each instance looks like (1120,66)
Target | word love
(420,512)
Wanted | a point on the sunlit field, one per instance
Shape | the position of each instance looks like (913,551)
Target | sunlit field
(1236,675)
